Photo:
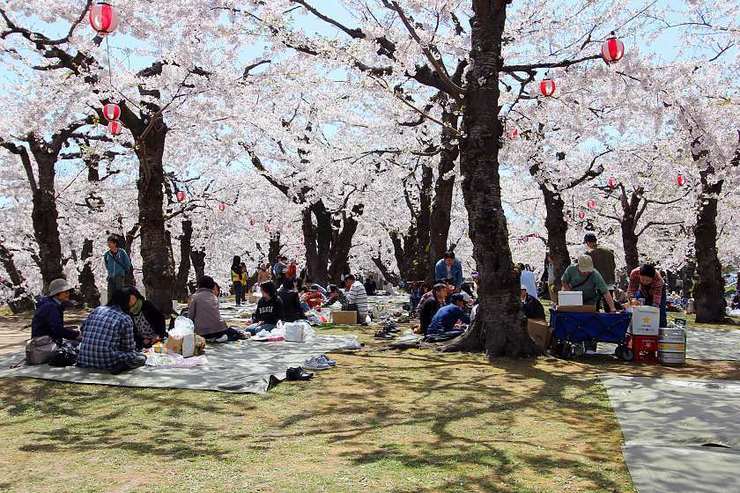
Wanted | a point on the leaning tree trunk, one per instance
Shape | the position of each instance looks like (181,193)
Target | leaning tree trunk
(22,301)
(342,244)
(557,230)
(88,289)
(387,274)
(45,220)
(709,290)
(183,272)
(498,327)
(156,250)
(444,187)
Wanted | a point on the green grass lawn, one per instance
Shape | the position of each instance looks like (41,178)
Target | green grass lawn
(382,421)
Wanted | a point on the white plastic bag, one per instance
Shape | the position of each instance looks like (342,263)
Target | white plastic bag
(185,330)
(300,331)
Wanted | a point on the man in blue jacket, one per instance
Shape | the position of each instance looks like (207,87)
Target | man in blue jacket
(449,268)
(118,265)
(48,319)
(446,317)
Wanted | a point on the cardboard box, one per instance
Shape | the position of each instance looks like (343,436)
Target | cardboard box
(570,298)
(578,309)
(540,333)
(645,321)
(344,318)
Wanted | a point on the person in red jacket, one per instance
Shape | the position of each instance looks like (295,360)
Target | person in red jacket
(647,284)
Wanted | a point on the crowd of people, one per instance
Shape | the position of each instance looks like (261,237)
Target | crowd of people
(113,336)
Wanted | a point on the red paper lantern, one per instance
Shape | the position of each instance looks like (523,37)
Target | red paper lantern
(513,133)
(111,111)
(115,127)
(581,215)
(547,87)
(103,18)
(591,204)
(680,180)
(180,196)
(222,207)
(612,50)
(612,182)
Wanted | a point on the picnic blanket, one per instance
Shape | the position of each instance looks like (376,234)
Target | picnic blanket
(680,435)
(240,367)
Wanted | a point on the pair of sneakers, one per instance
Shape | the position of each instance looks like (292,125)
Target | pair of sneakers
(319,363)
(298,374)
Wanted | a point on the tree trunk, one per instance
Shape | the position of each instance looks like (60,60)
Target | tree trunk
(88,289)
(198,257)
(687,275)
(629,243)
(275,248)
(22,301)
(557,230)
(183,272)
(156,250)
(342,243)
(444,188)
(497,329)
(389,276)
(709,291)
(45,218)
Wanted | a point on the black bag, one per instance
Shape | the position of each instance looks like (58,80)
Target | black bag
(65,355)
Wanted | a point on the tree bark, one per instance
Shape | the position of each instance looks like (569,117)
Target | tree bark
(45,220)
(198,257)
(497,329)
(387,274)
(709,290)
(183,272)
(275,248)
(21,301)
(557,230)
(444,187)
(88,289)
(156,249)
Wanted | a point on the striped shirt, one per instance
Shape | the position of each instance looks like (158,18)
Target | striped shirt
(358,296)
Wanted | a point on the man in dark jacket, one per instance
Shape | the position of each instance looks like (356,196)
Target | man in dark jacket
(48,319)
(603,261)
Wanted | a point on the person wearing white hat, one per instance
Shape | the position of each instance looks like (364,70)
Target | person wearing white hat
(584,278)
(48,319)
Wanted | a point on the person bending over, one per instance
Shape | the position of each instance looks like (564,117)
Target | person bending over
(446,318)
(48,319)
(108,337)
(647,284)
(336,295)
(430,307)
(584,278)
(269,310)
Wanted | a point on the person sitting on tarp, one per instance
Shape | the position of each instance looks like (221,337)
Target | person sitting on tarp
(336,295)
(446,318)
(646,285)
(531,306)
(269,310)
(204,311)
(108,337)
(431,306)
(48,319)
(584,278)
(293,309)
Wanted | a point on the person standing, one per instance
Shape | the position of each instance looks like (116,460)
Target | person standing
(236,279)
(356,298)
(552,286)
(291,273)
(118,265)
(584,278)
(263,274)
(449,268)
(603,261)
(279,270)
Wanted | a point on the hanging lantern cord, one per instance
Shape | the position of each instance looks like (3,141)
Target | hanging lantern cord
(110,71)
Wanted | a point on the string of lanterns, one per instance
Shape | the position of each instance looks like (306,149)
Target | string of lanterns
(103,19)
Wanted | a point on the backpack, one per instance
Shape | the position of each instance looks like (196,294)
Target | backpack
(40,349)
(65,355)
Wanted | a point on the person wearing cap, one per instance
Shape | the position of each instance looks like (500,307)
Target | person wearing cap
(446,318)
(449,268)
(584,278)
(603,260)
(48,319)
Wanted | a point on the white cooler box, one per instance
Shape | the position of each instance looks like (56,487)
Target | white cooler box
(570,298)
(645,321)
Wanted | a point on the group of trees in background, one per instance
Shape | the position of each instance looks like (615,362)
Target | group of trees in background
(372,134)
